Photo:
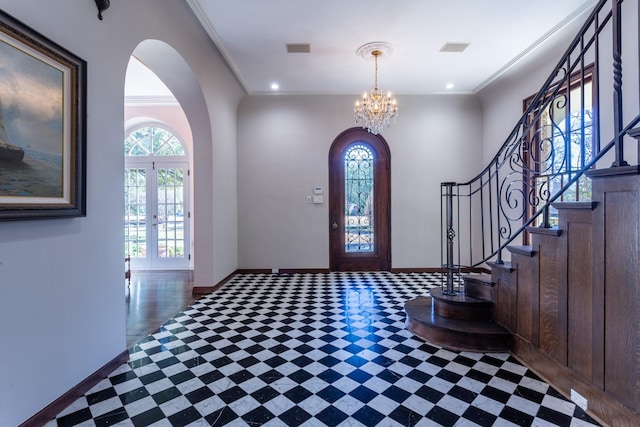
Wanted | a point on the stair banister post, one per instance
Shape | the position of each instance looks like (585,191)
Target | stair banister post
(498,208)
(617,83)
(451,234)
(546,223)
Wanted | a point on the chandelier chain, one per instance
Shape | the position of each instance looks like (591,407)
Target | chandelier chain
(375,54)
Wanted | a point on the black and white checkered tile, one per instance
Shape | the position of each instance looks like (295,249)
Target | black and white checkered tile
(314,350)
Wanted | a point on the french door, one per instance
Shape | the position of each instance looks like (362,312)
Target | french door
(359,202)
(157,232)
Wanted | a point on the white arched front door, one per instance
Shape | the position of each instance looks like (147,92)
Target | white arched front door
(157,217)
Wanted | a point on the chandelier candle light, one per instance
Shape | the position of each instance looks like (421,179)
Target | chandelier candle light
(375,110)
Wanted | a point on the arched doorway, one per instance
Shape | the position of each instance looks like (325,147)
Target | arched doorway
(359,202)
(157,224)
(174,71)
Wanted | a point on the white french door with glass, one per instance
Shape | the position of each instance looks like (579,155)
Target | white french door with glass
(156,215)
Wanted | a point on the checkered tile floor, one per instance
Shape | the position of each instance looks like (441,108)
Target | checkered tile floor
(314,350)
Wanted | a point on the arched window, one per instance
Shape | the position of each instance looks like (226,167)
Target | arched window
(152,141)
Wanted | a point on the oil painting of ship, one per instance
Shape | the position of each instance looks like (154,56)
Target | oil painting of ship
(12,153)
(9,152)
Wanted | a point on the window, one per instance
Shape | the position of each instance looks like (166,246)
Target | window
(358,193)
(561,144)
(152,141)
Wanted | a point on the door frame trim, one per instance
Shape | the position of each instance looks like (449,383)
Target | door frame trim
(382,217)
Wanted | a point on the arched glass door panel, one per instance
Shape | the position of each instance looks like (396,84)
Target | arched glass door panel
(358,193)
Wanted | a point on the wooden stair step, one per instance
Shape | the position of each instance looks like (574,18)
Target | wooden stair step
(479,286)
(522,250)
(461,306)
(455,334)
(481,278)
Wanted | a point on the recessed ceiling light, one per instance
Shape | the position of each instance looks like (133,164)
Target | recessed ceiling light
(450,85)
(275,86)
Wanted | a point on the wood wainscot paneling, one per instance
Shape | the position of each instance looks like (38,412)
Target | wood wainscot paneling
(576,295)
(552,297)
(616,233)
(505,278)
(577,252)
(527,292)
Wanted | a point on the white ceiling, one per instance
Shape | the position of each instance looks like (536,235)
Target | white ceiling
(142,84)
(252,35)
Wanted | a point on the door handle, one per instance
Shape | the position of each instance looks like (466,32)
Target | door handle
(334,225)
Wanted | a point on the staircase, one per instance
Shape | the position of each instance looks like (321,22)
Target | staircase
(554,222)
(567,305)
(463,321)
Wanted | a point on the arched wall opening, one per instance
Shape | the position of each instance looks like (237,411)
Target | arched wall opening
(172,69)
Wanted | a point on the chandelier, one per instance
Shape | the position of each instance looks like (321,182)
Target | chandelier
(375,110)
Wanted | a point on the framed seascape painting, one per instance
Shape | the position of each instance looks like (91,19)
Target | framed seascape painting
(42,126)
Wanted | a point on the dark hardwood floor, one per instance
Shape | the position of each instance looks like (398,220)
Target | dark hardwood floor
(153,298)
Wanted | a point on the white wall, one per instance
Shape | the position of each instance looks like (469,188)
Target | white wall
(502,100)
(283,146)
(61,281)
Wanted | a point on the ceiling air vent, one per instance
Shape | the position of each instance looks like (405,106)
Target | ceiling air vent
(298,48)
(454,47)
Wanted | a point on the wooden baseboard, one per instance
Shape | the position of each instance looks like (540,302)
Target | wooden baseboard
(285,271)
(58,405)
(202,290)
(417,270)
(465,270)
(602,407)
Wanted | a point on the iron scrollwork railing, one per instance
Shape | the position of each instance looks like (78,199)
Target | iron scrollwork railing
(545,157)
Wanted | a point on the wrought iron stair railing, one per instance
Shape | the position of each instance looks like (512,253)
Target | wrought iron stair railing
(557,139)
